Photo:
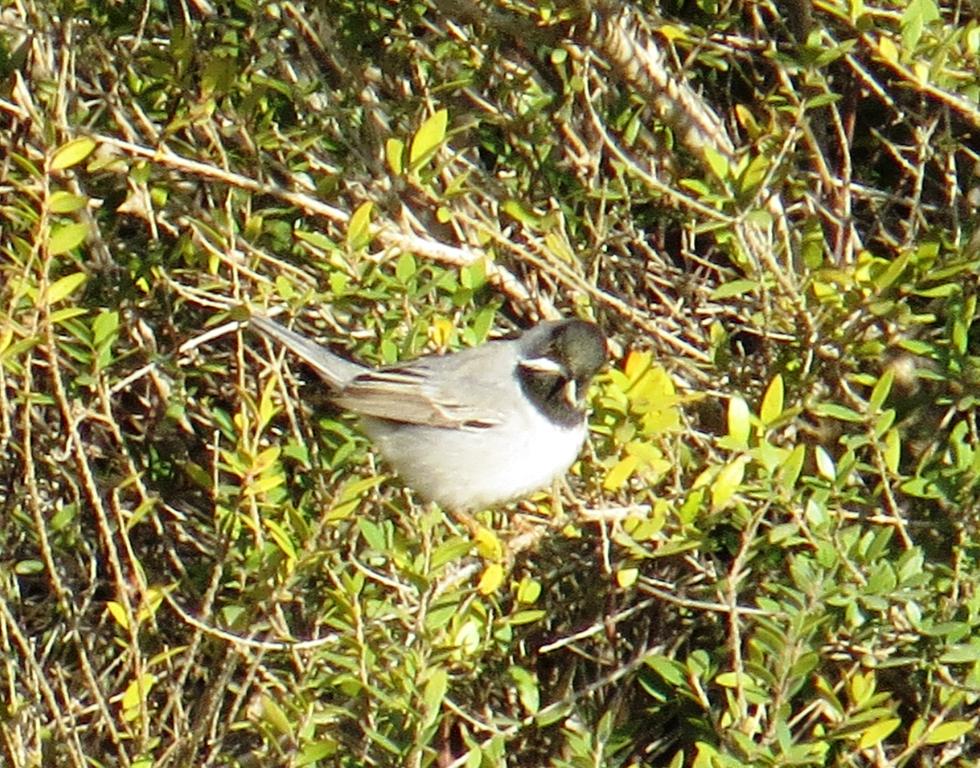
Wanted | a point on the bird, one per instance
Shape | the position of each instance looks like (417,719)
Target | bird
(472,429)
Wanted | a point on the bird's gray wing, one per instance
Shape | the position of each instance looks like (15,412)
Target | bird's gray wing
(462,390)
(333,369)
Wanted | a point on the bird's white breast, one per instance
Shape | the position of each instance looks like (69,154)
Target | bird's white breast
(472,469)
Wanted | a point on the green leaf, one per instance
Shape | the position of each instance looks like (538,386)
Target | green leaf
(274,715)
(892,273)
(739,422)
(373,534)
(428,137)
(67,313)
(877,732)
(918,14)
(839,412)
(65,202)
(64,237)
(772,402)
(315,751)
(727,483)
(668,669)
(528,590)
(717,162)
(825,464)
(395,155)
(405,268)
(359,227)
(964,653)
(433,694)
(893,449)
(71,153)
(881,390)
(753,176)
(527,689)
(104,326)
(949,731)
(63,288)
(734,288)
(118,613)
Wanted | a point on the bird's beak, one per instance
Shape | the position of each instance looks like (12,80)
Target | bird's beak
(571,393)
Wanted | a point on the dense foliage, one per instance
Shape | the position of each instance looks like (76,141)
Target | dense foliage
(768,554)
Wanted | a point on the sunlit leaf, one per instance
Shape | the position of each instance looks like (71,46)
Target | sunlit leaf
(359,227)
(429,136)
(739,421)
(492,578)
(877,732)
(65,286)
(434,692)
(66,202)
(527,688)
(72,153)
(727,483)
(626,577)
(395,155)
(772,402)
(64,237)
(825,464)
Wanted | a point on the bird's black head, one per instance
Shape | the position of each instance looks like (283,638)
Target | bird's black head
(559,359)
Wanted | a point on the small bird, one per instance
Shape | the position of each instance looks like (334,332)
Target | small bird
(474,428)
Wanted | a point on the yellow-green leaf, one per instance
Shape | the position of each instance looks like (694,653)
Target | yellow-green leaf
(66,236)
(717,162)
(467,638)
(135,693)
(888,50)
(861,687)
(64,287)
(916,730)
(626,577)
(267,406)
(825,464)
(755,173)
(738,420)
(488,544)
(66,202)
(118,613)
(881,390)
(727,483)
(395,155)
(790,471)
(429,136)
(104,327)
(359,227)
(71,153)
(772,402)
(620,473)
(67,313)
(528,590)
(350,496)
(949,731)
(877,732)
(434,692)
(274,715)
(527,688)
(490,581)
(893,449)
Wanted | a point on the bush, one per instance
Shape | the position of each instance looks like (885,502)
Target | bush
(767,556)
